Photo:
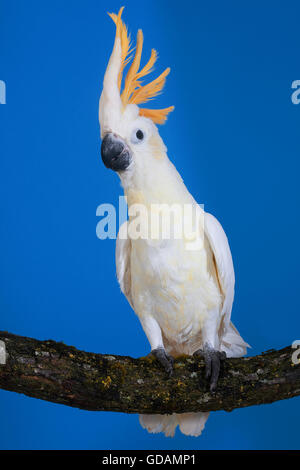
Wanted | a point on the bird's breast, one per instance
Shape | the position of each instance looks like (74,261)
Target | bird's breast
(172,284)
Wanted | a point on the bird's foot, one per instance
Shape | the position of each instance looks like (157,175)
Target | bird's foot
(212,360)
(165,359)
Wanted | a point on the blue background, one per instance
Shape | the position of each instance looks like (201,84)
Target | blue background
(234,137)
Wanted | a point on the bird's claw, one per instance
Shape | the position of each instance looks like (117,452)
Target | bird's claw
(212,360)
(165,359)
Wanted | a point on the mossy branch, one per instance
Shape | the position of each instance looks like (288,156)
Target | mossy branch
(62,374)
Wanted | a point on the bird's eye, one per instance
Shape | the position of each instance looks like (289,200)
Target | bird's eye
(137,136)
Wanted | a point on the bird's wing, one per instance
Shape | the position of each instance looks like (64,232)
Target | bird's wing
(223,260)
(231,341)
(123,252)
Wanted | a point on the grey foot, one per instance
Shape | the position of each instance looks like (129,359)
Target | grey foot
(165,359)
(212,360)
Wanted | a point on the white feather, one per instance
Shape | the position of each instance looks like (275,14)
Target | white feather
(219,244)
(123,252)
(231,341)
(157,279)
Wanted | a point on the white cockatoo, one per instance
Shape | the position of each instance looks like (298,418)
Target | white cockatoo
(182,293)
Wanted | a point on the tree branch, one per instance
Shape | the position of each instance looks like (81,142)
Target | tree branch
(62,374)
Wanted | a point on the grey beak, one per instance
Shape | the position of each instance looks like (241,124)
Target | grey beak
(115,153)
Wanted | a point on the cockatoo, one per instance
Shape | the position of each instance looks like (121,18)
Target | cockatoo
(182,296)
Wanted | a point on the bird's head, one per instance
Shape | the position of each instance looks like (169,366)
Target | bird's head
(130,139)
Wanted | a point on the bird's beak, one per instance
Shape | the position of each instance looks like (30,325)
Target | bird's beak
(115,153)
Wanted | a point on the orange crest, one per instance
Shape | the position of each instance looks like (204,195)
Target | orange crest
(134,92)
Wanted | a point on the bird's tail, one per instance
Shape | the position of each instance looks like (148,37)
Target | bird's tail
(191,424)
(233,344)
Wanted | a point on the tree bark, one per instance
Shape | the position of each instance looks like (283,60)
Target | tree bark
(62,374)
